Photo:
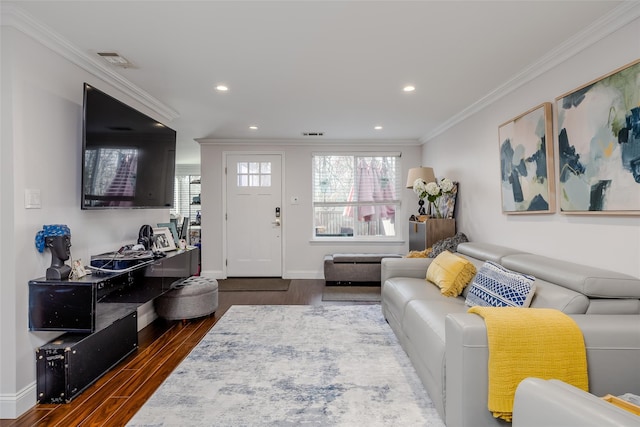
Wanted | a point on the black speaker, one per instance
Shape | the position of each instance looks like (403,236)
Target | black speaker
(145,236)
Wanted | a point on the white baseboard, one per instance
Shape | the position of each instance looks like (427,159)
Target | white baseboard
(146,315)
(14,405)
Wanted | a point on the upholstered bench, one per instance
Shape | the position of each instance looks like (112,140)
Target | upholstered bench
(190,298)
(354,269)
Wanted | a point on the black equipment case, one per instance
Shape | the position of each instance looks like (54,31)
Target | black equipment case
(71,363)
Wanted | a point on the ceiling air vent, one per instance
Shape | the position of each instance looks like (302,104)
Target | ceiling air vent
(312,133)
(115,59)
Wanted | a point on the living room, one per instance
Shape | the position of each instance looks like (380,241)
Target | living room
(41,125)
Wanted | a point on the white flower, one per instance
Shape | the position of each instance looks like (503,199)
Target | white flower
(432,189)
(446,185)
(419,188)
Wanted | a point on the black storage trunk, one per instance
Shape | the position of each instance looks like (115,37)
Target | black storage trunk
(71,363)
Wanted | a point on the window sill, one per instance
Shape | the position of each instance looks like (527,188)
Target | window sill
(355,241)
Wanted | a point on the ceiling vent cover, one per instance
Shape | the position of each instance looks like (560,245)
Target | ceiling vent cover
(114,58)
(312,133)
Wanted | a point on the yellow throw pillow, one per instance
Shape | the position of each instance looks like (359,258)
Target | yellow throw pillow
(451,273)
(419,254)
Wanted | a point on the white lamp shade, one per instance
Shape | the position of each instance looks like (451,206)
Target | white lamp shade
(426,174)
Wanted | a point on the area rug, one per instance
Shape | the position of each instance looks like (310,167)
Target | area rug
(253,284)
(327,365)
(351,293)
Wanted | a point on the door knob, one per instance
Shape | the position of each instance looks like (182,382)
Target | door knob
(276,223)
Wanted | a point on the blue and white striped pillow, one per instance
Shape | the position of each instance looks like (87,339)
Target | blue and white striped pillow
(496,286)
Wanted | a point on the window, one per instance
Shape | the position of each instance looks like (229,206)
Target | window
(355,196)
(254,174)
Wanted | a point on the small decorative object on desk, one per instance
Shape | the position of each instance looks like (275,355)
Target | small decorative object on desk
(56,237)
(432,192)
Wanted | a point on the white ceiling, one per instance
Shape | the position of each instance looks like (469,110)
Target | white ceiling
(336,67)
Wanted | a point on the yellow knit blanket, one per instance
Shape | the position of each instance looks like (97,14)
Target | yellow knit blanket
(530,342)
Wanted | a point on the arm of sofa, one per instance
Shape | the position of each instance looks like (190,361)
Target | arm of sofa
(404,267)
(613,357)
(613,352)
(555,403)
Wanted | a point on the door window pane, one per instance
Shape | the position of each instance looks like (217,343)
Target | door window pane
(254,174)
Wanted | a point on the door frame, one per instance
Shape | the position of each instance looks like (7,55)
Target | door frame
(283,211)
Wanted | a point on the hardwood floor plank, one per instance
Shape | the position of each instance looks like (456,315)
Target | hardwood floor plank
(68,414)
(101,415)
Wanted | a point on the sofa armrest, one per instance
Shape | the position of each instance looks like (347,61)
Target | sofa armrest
(613,357)
(555,403)
(613,352)
(466,377)
(404,267)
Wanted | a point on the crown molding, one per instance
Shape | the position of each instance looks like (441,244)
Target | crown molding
(316,142)
(17,18)
(622,15)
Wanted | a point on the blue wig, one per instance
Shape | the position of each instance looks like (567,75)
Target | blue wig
(50,231)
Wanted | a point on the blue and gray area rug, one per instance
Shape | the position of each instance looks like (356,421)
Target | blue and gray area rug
(294,365)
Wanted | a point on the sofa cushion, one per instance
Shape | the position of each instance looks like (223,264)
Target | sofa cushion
(451,273)
(397,292)
(362,258)
(486,251)
(496,286)
(550,295)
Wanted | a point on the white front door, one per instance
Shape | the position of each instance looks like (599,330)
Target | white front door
(254,217)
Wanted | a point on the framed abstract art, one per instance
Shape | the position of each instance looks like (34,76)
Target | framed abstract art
(526,162)
(599,145)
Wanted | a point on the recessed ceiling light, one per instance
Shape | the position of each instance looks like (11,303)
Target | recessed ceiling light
(253,127)
(409,88)
(378,127)
(222,88)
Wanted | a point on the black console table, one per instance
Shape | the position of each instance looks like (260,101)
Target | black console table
(99,314)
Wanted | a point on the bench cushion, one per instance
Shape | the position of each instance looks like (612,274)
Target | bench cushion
(362,258)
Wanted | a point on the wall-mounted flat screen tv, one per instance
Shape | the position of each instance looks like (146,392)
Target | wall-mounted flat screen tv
(128,158)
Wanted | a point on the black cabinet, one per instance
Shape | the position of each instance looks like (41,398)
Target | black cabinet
(71,363)
(77,305)
(99,314)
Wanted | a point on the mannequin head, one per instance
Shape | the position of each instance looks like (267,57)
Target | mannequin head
(57,238)
(59,247)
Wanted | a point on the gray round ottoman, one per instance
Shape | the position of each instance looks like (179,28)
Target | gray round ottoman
(193,297)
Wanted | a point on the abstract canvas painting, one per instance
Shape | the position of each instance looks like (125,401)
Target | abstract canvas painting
(526,163)
(599,145)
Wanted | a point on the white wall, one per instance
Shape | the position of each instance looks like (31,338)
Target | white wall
(469,153)
(303,259)
(41,149)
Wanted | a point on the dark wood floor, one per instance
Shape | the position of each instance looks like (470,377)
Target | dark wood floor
(118,395)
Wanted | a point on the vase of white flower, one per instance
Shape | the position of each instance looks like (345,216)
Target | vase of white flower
(432,192)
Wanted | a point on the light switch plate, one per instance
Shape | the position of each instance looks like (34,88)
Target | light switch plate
(32,199)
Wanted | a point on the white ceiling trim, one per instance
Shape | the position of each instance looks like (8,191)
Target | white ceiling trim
(316,141)
(18,19)
(616,19)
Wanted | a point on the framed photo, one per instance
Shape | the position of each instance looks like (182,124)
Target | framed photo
(171,226)
(526,162)
(163,240)
(599,145)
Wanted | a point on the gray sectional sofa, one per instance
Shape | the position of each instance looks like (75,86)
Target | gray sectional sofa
(448,346)
(555,403)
